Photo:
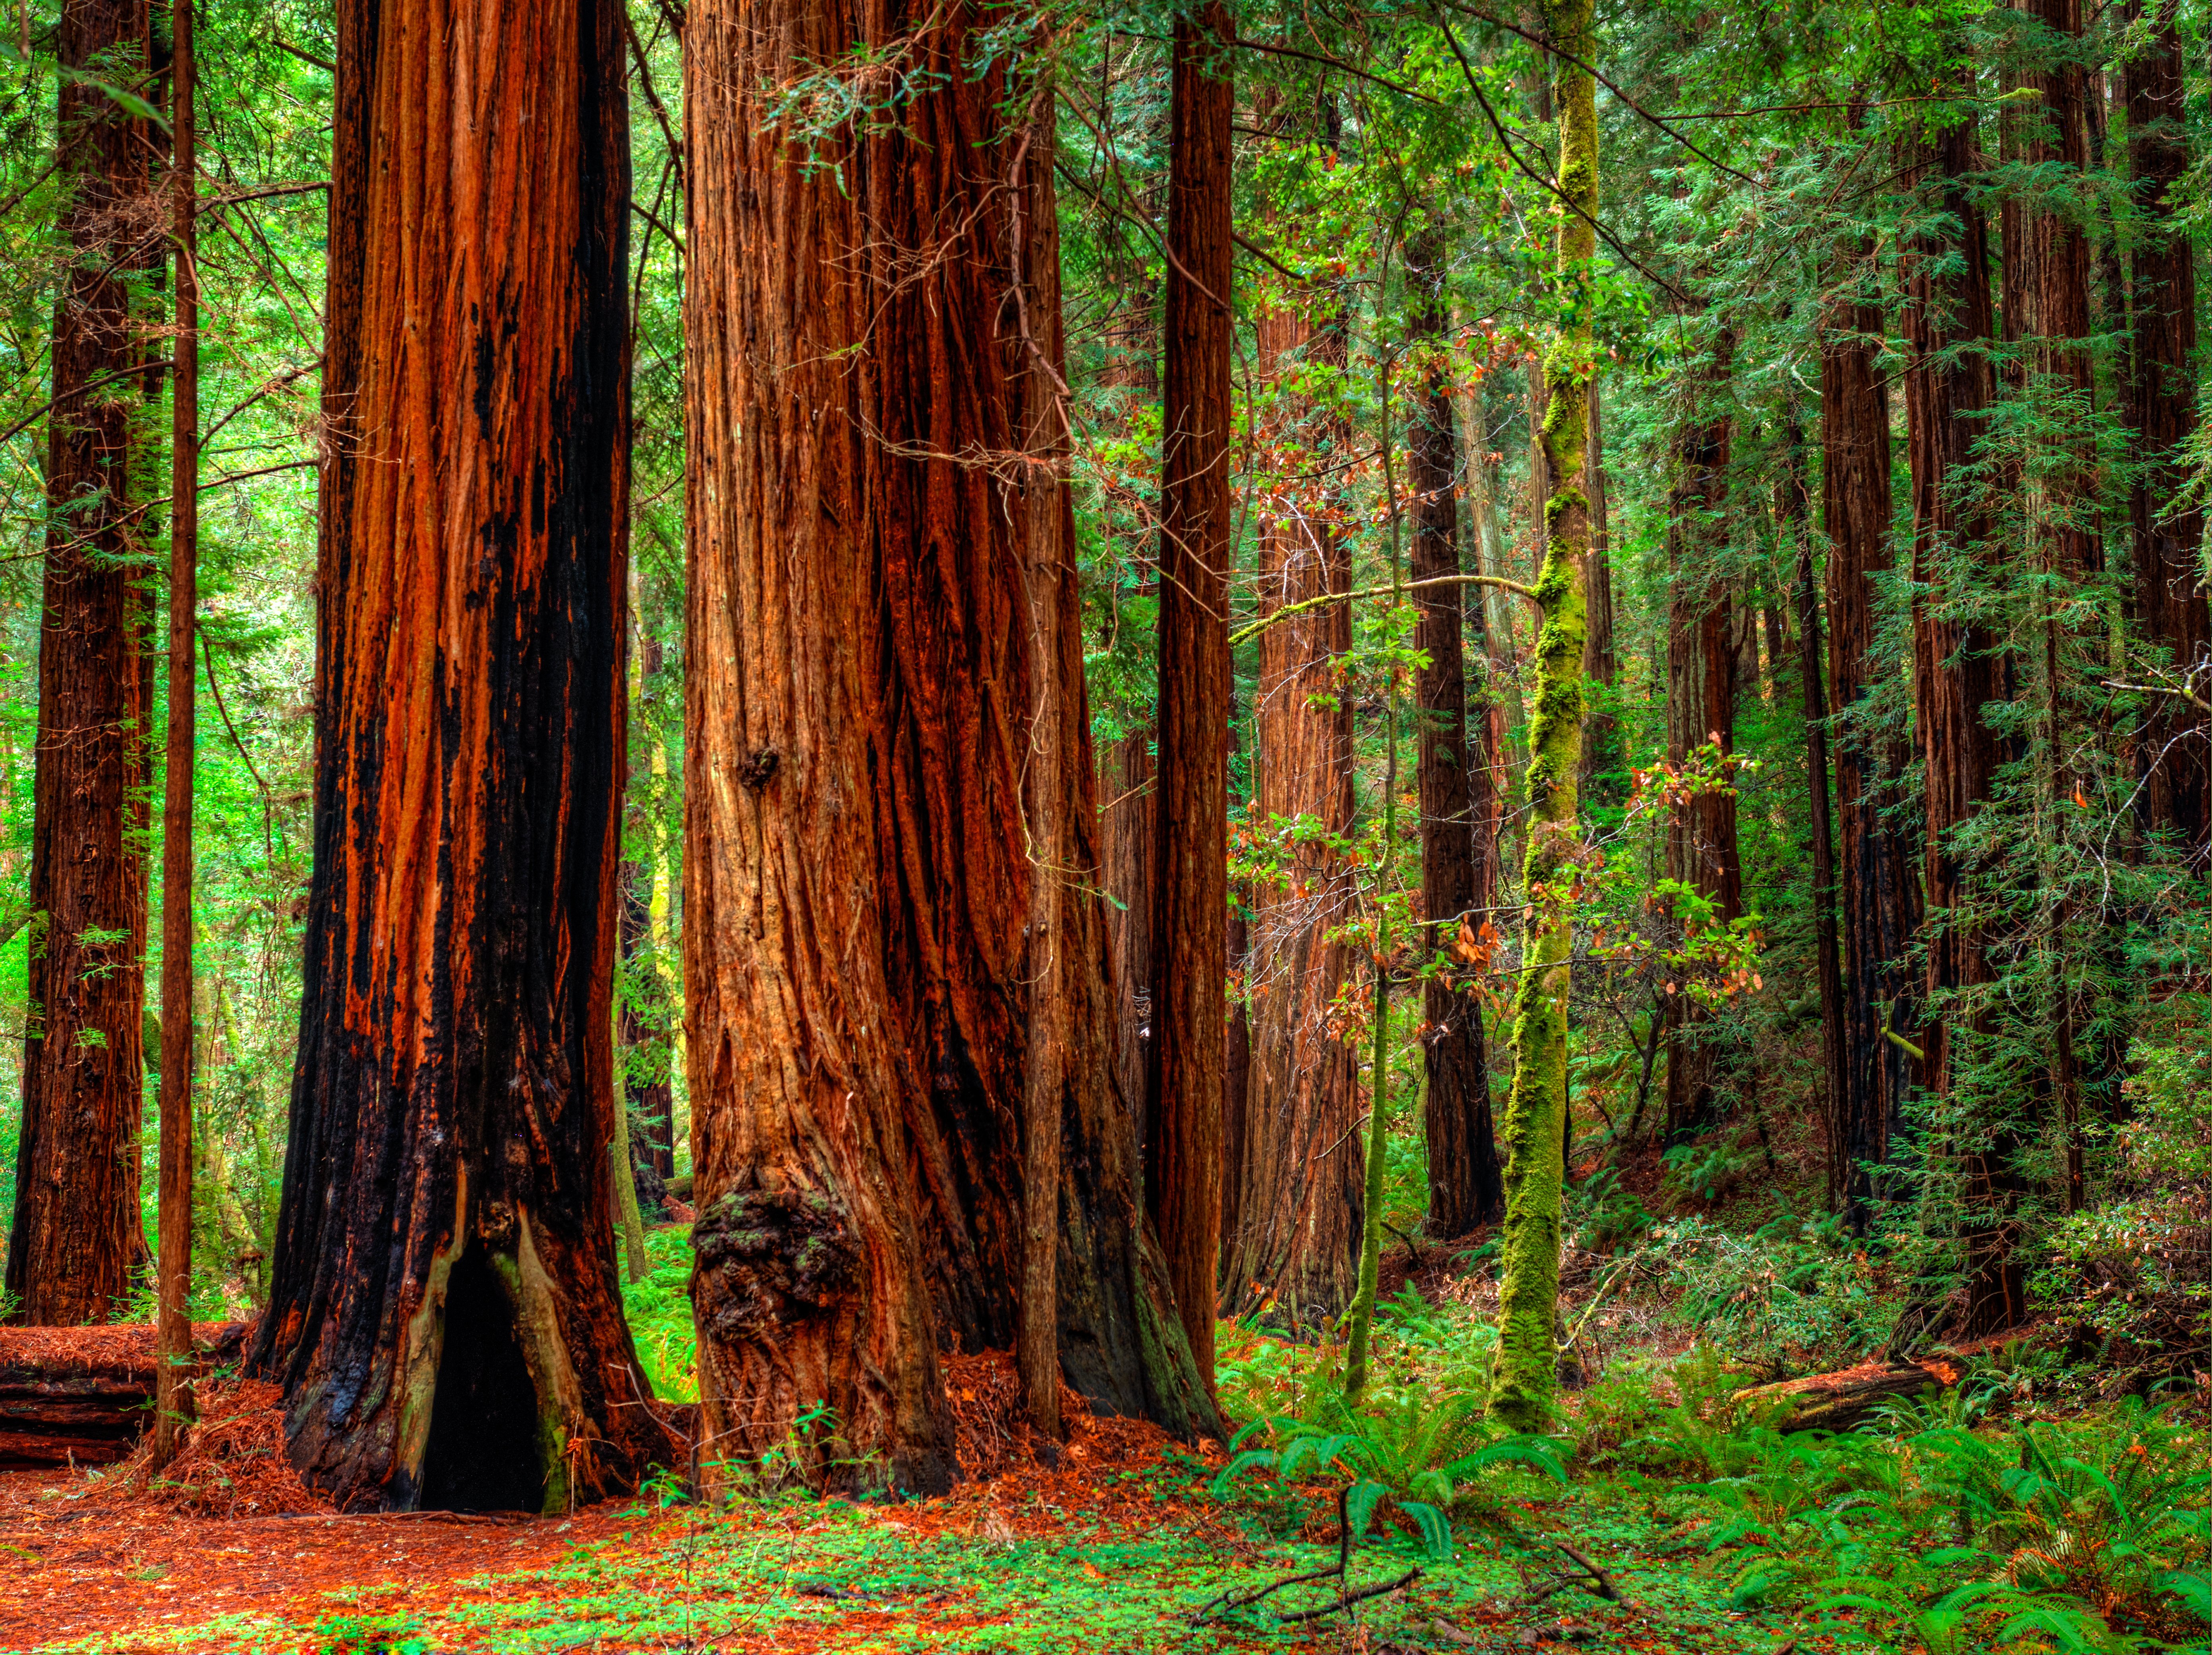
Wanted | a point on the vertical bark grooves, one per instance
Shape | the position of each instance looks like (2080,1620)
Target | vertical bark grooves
(2176,746)
(75,1236)
(1958,670)
(1465,1185)
(1702,666)
(861,710)
(1295,1245)
(1875,876)
(1190,897)
(444,1316)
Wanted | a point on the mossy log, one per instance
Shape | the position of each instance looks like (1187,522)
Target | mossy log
(1840,1400)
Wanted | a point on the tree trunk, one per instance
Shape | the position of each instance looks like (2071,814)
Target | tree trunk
(444,1316)
(1465,1185)
(1524,1372)
(1295,1250)
(1958,670)
(2175,748)
(1880,890)
(859,867)
(173,1312)
(1702,665)
(1603,761)
(76,1236)
(1190,897)
(1128,832)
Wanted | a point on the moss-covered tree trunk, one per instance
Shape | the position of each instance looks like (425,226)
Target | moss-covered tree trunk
(445,1316)
(1524,1373)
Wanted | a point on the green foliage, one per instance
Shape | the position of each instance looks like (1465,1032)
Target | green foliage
(371,1634)
(659,1311)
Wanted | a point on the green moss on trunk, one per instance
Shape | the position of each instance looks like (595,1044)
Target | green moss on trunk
(1525,1371)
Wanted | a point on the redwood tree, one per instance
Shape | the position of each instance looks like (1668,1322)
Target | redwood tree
(870,548)
(2167,531)
(1465,1185)
(444,1316)
(1701,690)
(1876,879)
(1958,667)
(1295,1241)
(1190,892)
(76,1237)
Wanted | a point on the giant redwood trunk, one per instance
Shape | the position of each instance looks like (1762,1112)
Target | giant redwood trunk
(1701,690)
(1295,1244)
(1877,882)
(2167,534)
(862,706)
(75,1235)
(1190,892)
(1958,671)
(1465,1185)
(444,1316)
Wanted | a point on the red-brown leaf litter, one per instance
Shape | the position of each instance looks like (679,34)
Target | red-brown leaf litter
(229,1529)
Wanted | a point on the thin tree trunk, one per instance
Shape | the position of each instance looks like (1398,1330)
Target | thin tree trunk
(1602,758)
(1828,963)
(173,1331)
(76,1236)
(1957,668)
(1880,888)
(1524,1373)
(1702,665)
(2175,748)
(1128,833)
(446,1315)
(1190,897)
(1466,1183)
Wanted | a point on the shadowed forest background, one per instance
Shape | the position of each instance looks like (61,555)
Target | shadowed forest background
(1466,752)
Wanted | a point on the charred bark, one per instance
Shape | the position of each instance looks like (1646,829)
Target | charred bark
(444,1316)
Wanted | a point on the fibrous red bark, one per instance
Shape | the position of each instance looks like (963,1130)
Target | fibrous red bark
(1877,885)
(445,1315)
(1958,669)
(1294,1245)
(867,574)
(1190,894)
(76,1237)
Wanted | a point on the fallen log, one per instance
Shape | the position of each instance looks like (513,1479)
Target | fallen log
(1841,1400)
(82,1396)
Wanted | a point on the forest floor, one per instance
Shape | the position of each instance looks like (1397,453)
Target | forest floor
(1122,1551)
